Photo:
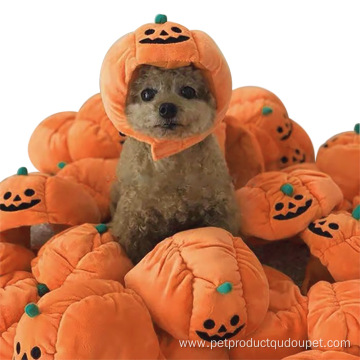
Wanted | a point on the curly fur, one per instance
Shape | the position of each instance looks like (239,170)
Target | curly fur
(153,200)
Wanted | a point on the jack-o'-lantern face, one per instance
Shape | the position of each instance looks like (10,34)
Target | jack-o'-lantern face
(20,195)
(324,227)
(276,122)
(35,352)
(164,33)
(222,331)
(292,205)
(291,157)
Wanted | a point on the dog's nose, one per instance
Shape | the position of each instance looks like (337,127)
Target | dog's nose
(168,110)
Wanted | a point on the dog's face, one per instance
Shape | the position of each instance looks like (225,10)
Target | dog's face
(170,103)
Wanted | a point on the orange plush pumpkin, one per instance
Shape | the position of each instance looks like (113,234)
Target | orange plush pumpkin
(96,176)
(92,134)
(340,158)
(17,288)
(332,240)
(286,319)
(202,284)
(242,152)
(47,201)
(282,141)
(48,144)
(94,319)
(82,252)
(334,315)
(322,355)
(167,45)
(278,205)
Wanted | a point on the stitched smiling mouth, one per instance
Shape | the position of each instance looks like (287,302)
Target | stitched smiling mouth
(205,336)
(169,40)
(22,206)
(291,215)
(318,231)
(286,136)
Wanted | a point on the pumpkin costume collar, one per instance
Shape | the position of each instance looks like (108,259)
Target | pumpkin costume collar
(167,45)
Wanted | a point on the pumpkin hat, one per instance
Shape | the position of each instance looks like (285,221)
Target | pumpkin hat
(167,45)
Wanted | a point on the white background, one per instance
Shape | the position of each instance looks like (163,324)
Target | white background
(306,52)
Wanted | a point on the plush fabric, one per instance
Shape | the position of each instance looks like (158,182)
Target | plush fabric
(285,319)
(334,315)
(92,319)
(69,136)
(282,141)
(322,355)
(92,134)
(14,257)
(278,205)
(36,198)
(130,52)
(242,152)
(335,241)
(96,176)
(80,253)
(17,288)
(202,284)
(48,144)
(340,158)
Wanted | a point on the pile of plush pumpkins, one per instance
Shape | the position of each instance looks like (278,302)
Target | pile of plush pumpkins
(68,290)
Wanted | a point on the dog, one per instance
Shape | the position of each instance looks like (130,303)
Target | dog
(153,200)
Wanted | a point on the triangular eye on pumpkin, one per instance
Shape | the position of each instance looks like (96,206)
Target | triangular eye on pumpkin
(213,280)
(278,205)
(340,158)
(332,239)
(35,206)
(90,311)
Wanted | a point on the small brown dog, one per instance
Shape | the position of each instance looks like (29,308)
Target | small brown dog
(153,200)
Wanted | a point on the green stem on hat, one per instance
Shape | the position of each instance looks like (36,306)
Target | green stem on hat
(160,19)
(357,128)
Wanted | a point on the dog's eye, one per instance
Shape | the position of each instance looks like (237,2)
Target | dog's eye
(148,94)
(188,92)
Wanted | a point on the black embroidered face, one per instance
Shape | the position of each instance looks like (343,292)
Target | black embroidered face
(294,207)
(18,201)
(284,130)
(222,331)
(35,352)
(165,35)
(294,156)
(323,227)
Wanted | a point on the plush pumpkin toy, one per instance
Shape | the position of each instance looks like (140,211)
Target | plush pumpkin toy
(96,176)
(322,355)
(17,288)
(48,144)
(334,315)
(243,153)
(41,205)
(92,319)
(332,239)
(282,141)
(202,284)
(70,136)
(278,205)
(92,134)
(340,158)
(167,45)
(286,319)
(82,252)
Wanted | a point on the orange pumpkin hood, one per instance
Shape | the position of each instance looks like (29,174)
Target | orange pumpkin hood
(186,48)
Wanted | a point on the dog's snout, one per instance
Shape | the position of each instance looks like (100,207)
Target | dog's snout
(168,110)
